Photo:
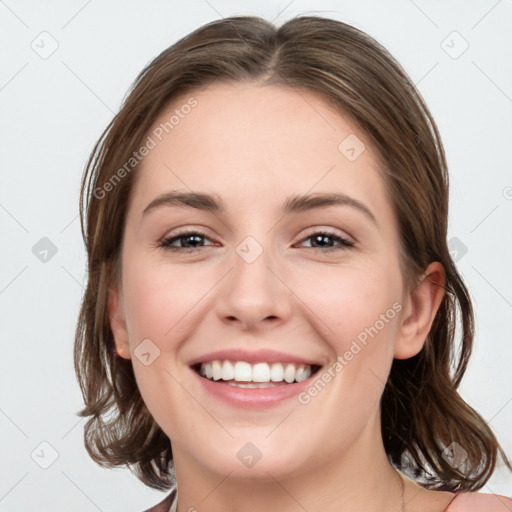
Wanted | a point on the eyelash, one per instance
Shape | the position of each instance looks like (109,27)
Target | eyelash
(344,243)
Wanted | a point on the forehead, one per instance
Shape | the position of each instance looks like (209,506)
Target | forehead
(246,141)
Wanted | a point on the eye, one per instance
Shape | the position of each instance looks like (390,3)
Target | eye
(189,240)
(192,240)
(323,241)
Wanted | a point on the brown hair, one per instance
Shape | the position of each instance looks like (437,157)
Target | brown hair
(421,410)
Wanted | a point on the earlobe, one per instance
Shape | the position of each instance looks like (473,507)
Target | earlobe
(118,324)
(422,305)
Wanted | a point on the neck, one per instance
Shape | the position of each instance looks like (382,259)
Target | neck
(361,478)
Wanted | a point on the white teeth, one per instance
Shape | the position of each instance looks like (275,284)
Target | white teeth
(243,371)
(228,371)
(302,373)
(289,373)
(217,370)
(261,374)
(252,385)
(276,372)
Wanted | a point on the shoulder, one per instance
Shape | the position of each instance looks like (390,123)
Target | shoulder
(165,504)
(479,502)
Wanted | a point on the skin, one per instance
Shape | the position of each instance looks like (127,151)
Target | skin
(255,146)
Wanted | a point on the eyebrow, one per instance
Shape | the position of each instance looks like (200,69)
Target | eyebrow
(293,204)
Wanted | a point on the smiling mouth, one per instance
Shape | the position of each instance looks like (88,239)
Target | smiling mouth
(259,375)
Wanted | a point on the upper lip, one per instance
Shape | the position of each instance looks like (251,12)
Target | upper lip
(252,357)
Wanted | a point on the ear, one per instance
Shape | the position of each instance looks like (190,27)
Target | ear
(118,324)
(422,304)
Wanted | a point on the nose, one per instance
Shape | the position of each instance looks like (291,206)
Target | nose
(253,294)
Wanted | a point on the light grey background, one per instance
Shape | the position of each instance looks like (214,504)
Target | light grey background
(54,108)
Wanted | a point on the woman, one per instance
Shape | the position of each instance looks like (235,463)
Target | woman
(270,290)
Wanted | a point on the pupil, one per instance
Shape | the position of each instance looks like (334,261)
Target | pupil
(322,240)
(193,239)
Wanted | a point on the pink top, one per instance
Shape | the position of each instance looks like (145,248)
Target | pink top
(462,502)
(476,502)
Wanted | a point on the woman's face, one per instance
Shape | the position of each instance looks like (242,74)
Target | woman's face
(272,277)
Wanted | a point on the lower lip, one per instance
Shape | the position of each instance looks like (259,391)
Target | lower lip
(253,398)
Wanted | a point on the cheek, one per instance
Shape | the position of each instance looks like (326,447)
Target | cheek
(163,304)
(357,315)
(359,302)
(159,300)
